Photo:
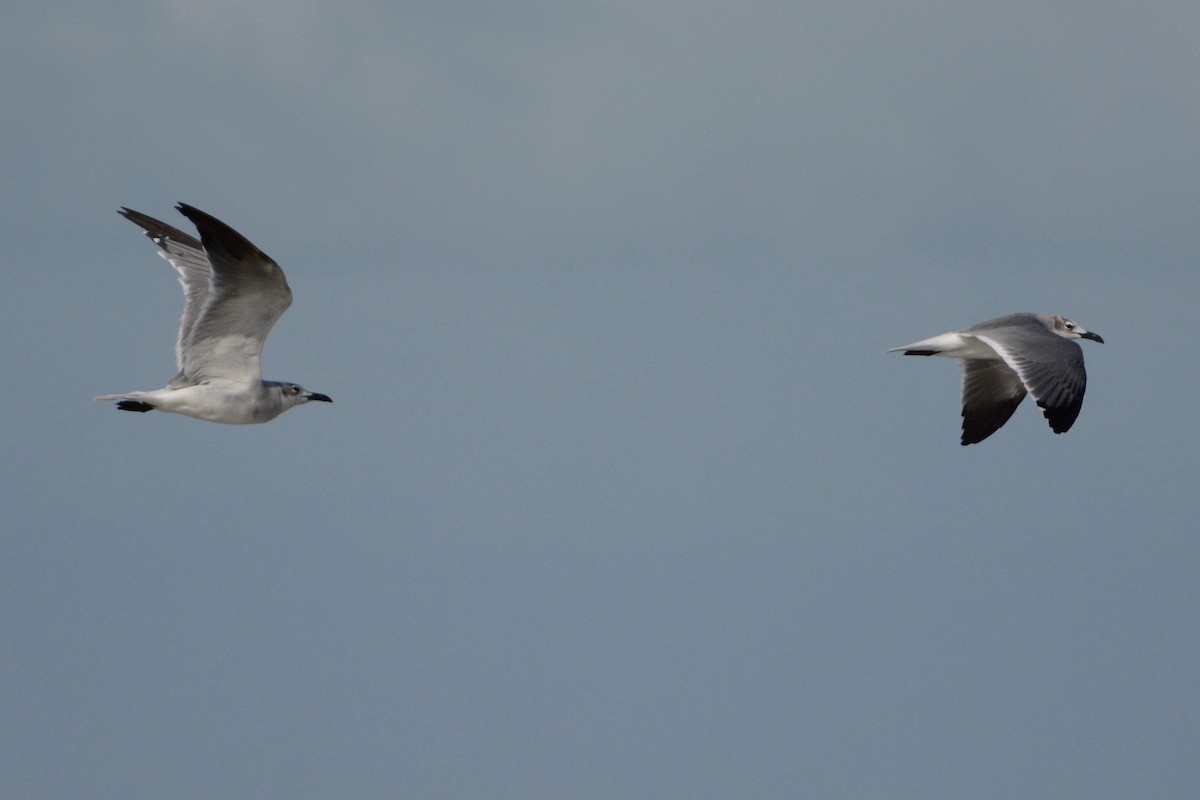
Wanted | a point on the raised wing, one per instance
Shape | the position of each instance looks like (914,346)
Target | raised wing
(247,292)
(186,255)
(991,392)
(1050,367)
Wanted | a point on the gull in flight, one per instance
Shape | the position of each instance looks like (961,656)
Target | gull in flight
(1007,357)
(233,293)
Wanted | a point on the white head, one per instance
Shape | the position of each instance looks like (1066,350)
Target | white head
(1070,329)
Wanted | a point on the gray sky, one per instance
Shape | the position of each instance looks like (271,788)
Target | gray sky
(619,496)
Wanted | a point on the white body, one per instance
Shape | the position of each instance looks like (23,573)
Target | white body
(229,402)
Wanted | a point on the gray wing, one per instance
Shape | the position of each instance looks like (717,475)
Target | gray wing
(247,293)
(1049,366)
(186,255)
(991,392)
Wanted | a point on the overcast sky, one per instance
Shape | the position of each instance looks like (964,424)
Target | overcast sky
(619,496)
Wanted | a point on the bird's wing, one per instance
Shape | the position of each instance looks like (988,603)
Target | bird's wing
(991,392)
(1050,367)
(247,293)
(186,255)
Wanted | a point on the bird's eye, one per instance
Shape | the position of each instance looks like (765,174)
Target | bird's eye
(1070,326)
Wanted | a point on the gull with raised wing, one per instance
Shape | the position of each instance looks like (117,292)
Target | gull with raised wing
(233,294)
(1007,357)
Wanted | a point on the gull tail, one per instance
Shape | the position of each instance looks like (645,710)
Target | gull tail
(950,344)
(128,402)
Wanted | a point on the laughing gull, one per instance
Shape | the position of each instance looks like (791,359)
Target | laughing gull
(233,293)
(1006,357)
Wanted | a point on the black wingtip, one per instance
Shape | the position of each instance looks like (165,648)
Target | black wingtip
(1063,417)
(134,405)
(218,236)
(920,352)
(196,215)
(157,230)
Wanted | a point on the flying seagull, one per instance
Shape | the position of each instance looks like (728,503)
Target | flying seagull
(233,293)
(1006,357)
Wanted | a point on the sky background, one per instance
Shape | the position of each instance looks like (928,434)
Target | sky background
(619,496)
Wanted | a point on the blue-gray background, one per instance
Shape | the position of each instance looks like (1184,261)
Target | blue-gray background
(618,496)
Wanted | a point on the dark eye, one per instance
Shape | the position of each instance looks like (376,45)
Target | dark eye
(1070,326)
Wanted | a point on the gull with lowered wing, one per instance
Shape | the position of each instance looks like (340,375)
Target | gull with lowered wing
(1007,357)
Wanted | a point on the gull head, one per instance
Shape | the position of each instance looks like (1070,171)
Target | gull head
(1070,329)
(295,395)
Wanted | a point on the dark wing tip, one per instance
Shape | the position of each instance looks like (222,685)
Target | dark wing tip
(991,394)
(219,237)
(202,219)
(978,424)
(137,217)
(974,433)
(192,213)
(157,230)
(981,421)
(1061,418)
(1062,403)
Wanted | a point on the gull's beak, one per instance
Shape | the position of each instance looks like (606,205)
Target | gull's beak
(324,398)
(1095,337)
